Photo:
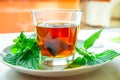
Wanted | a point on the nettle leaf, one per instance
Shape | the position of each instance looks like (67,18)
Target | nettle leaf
(90,58)
(79,61)
(18,43)
(90,41)
(28,59)
(24,52)
(20,38)
(10,58)
(103,57)
(115,39)
(107,55)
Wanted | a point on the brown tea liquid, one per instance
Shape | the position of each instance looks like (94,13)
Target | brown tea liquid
(56,39)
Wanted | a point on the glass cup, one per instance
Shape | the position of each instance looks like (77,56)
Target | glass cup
(56,32)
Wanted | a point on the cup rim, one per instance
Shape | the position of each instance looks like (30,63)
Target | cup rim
(39,10)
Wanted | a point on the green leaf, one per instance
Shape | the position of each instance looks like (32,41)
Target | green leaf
(88,56)
(107,55)
(103,57)
(115,39)
(28,60)
(90,41)
(93,59)
(85,53)
(24,52)
(79,61)
(18,43)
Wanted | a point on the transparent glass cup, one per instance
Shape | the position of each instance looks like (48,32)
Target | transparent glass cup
(56,32)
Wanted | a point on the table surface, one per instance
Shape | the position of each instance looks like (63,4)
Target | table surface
(109,71)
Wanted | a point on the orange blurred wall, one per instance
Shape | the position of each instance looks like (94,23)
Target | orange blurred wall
(15,15)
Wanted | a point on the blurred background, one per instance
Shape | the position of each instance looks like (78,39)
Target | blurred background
(15,15)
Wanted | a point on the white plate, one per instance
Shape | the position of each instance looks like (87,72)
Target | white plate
(52,73)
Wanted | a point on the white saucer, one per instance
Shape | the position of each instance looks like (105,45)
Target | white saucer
(55,73)
(52,73)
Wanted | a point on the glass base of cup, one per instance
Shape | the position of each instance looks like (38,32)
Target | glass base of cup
(55,63)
